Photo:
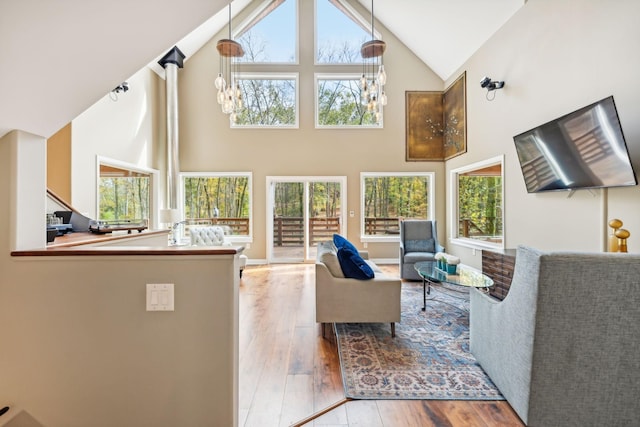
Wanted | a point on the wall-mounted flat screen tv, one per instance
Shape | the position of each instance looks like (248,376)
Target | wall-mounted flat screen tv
(583,149)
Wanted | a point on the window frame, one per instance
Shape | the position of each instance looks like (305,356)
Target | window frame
(249,175)
(256,17)
(393,238)
(454,205)
(273,76)
(340,76)
(350,13)
(154,180)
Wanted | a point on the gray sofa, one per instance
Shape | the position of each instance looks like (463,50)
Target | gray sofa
(345,300)
(564,346)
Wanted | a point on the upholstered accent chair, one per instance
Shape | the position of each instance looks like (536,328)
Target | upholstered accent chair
(563,345)
(418,242)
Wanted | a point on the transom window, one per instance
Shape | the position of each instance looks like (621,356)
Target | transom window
(388,198)
(270,35)
(340,32)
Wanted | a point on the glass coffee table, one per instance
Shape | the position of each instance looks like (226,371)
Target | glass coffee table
(465,276)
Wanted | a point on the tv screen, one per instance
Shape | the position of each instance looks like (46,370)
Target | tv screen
(583,149)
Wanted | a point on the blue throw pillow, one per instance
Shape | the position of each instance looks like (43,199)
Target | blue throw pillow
(340,242)
(353,266)
(422,245)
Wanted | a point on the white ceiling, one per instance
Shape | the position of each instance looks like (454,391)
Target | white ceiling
(58,58)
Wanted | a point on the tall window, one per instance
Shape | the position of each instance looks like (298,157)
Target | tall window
(123,193)
(388,198)
(221,199)
(477,211)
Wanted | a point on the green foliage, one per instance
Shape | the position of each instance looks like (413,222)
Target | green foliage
(480,203)
(339,104)
(396,196)
(123,198)
(324,199)
(268,102)
(229,194)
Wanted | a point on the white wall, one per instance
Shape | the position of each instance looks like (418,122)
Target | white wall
(129,130)
(555,58)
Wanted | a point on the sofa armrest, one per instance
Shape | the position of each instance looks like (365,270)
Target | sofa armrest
(364,254)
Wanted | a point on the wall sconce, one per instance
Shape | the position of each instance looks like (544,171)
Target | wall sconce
(490,86)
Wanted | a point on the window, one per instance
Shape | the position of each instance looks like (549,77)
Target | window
(269,100)
(338,102)
(221,199)
(270,35)
(388,198)
(124,191)
(477,204)
(340,32)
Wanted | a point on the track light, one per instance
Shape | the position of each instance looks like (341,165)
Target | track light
(488,84)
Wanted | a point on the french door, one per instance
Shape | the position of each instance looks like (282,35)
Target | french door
(302,211)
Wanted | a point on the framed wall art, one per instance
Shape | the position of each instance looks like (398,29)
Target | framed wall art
(436,123)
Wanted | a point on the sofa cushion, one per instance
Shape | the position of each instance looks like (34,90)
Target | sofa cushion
(328,255)
(341,242)
(421,245)
(353,266)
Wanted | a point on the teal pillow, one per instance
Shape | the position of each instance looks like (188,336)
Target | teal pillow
(422,245)
(353,266)
(341,242)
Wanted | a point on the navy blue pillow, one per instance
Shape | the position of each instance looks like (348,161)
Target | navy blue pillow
(353,266)
(340,242)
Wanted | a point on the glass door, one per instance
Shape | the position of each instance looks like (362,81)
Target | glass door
(302,212)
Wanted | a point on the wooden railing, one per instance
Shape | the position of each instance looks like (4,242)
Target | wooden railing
(289,231)
(377,226)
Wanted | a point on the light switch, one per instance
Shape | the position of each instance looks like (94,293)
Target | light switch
(160,297)
(352,214)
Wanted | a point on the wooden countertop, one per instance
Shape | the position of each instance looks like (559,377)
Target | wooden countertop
(73,244)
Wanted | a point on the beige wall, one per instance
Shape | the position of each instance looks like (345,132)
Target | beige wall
(555,58)
(208,144)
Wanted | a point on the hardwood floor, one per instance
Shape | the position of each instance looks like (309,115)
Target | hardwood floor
(289,372)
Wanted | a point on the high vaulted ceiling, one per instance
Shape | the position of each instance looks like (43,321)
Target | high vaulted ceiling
(59,57)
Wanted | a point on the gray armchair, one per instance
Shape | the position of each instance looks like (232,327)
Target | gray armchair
(563,345)
(418,242)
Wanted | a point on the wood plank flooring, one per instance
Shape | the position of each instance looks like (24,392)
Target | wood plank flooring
(289,372)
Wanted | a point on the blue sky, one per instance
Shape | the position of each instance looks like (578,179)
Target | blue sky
(278,29)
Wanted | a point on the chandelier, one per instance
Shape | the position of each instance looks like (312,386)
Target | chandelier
(374,76)
(229,93)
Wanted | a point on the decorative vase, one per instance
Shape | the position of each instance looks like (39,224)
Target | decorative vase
(452,268)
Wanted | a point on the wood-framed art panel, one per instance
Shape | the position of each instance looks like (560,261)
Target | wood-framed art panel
(455,118)
(436,123)
(424,131)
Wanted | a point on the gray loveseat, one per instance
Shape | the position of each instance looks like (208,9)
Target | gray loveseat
(564,346)
(345,300)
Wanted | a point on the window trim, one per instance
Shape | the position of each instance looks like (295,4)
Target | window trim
(339,76)
(154,191)
(273,76)
(396,238)
(181,197)
(453,205)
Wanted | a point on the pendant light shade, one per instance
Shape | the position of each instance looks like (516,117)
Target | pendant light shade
(229,94)
(374,76)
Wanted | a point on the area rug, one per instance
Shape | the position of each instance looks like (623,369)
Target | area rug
(428,359)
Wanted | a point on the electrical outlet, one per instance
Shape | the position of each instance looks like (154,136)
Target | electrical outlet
(160,297)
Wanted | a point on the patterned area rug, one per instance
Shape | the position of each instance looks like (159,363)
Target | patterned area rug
(428,359)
